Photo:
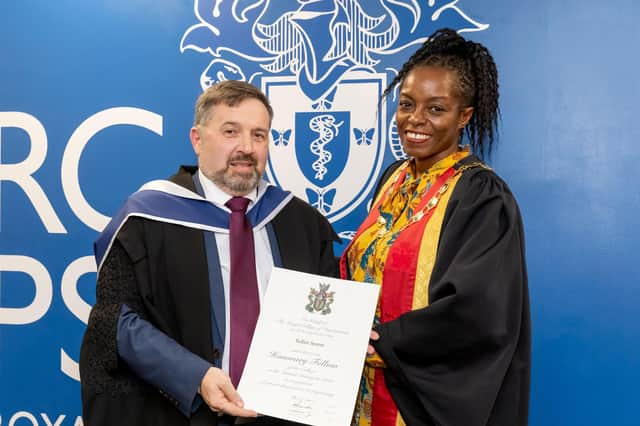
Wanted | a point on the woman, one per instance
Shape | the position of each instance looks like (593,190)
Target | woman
(444,239)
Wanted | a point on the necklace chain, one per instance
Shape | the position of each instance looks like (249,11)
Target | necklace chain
(430,205)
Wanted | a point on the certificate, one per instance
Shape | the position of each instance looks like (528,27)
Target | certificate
(308,350)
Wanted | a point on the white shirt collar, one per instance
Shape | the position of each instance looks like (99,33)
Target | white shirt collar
(217,196)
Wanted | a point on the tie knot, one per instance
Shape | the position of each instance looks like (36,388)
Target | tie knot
(238,204)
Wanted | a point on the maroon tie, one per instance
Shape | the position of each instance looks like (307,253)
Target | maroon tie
(244,301)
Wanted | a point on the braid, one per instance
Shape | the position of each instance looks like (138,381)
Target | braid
(477,81)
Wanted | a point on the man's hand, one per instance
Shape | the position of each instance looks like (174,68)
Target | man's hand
(220,395)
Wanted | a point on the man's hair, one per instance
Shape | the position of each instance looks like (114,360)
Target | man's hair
(229,93)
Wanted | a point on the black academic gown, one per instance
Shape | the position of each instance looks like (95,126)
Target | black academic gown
(160,271)
(465,359)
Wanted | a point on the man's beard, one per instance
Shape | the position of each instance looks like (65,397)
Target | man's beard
(235,182)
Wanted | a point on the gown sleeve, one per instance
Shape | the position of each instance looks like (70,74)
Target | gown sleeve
(99,362)
(446,363)
(110,392)
(120,342)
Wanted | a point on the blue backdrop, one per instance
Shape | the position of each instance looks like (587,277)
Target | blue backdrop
(96,98)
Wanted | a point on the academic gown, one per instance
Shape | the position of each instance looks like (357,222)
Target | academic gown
(464,360)
(160,271)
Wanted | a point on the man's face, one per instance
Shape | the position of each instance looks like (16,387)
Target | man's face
(232,146)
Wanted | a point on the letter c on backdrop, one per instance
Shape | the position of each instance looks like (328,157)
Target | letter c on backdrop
(79,139)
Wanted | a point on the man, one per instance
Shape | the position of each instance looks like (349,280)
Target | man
(173,318)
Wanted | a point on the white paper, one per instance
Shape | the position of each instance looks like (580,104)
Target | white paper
(308,350)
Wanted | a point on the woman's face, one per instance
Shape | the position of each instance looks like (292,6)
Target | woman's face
(430,115)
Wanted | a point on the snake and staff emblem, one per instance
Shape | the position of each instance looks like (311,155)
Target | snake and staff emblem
(322,142)
(321,139)
(327,129)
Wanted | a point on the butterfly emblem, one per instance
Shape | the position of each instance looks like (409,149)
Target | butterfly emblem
(321,200)
(281,137)
(363,136)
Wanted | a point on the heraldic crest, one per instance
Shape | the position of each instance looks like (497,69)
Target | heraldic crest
(324,65)
(320,300)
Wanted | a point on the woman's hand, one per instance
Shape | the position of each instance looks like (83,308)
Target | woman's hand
(373,359)
(373,336)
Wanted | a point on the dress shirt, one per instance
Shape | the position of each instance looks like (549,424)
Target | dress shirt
(264,259)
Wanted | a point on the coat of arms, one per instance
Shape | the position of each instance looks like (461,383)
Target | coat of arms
(323,65)
(320,300)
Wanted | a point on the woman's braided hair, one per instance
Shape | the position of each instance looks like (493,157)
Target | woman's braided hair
(477,81)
